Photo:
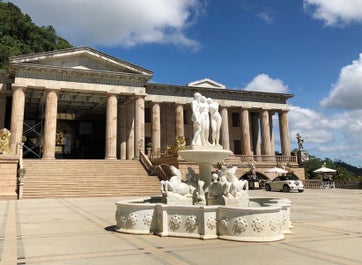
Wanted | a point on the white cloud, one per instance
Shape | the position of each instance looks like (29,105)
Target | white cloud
(347,92)
(267,15)
(117,22)
(337,136)
(334,12)
(264,83)
(310,124)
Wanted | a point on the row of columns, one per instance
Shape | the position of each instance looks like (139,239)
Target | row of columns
(125,123)
(249,130)
(133,122)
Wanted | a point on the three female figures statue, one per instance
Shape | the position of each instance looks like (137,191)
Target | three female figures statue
(201,109)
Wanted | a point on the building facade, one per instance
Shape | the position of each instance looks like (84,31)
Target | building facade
(81,103)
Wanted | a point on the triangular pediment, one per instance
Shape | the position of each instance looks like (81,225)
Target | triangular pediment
(83,58)
(206,82)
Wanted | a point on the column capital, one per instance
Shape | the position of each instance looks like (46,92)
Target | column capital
(110,93)
(55,90)
(283,110)
(14,88)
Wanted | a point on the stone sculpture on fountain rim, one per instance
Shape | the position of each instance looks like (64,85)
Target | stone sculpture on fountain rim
(176,191)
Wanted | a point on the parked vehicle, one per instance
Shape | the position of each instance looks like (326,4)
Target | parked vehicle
(285,184)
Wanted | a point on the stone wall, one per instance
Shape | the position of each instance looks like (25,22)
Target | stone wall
(8,177)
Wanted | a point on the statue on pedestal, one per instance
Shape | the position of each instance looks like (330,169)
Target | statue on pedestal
(5,141)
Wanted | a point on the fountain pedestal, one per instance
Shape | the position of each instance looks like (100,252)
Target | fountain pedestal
(204,156)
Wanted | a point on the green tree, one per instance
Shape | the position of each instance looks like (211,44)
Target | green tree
(19,35)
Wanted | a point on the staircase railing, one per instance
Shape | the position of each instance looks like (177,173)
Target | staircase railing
(151,169)
(145,162)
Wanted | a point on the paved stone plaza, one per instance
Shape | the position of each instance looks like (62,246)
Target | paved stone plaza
(327,230)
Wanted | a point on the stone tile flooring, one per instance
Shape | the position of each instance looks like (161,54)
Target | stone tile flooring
(78,231)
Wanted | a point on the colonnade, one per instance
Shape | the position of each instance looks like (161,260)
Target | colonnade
(256,129)
(125,126)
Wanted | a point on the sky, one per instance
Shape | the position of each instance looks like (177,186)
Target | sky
(309,48)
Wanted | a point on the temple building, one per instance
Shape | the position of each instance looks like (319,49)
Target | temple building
(81,103)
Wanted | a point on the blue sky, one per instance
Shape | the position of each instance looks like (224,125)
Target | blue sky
(309,48)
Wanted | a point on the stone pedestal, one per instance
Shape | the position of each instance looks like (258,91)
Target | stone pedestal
(8,177)
(204,156)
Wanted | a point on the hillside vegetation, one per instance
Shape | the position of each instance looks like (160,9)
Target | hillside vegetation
(19,35)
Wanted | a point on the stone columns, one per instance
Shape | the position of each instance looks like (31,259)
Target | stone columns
(265,133)
(180,131)
(130,129)
(256,133)
(156,128)
(245,133)
(2,109)
(139,124)
(271,127)
(284,133)
(50,124)
(111,127)
(17,117)
(225,129)
(122,118)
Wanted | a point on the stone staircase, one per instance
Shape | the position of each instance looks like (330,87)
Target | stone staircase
(87,178)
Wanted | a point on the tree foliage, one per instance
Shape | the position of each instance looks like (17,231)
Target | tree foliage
(345,172)
(19,35)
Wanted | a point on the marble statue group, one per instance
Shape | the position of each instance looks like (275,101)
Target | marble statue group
(205,111)
(223,187)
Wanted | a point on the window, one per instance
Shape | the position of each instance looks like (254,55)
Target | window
(237,147)
(235,116)
(147,114)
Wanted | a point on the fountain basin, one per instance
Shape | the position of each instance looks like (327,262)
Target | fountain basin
(205,155)
(265,219)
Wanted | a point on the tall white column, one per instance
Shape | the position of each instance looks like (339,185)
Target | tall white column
(225,129)
(130,129)
(180,131)
(139,124)
(111,127)
(122,132)
(156,128)
(17,117)
(256,134)
(245,131)
(50,124)
(271,126)
(284,133)
(265,132)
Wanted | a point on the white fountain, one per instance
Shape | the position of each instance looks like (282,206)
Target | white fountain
(206,205)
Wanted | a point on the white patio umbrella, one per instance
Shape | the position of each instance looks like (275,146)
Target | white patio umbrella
(324,169)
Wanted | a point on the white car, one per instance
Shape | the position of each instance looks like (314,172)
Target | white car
(285,183)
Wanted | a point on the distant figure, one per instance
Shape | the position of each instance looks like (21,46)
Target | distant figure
(300,141)
(215,121)
(196,119)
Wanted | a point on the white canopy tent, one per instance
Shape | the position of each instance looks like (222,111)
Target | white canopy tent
(327,181)
(324,169)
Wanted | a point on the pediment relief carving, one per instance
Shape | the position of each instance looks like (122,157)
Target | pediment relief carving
(206,82)
(81,59)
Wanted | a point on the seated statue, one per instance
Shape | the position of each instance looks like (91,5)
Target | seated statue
(180,144)
(175,190)
(5,141)
(227,189)
(237,185)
